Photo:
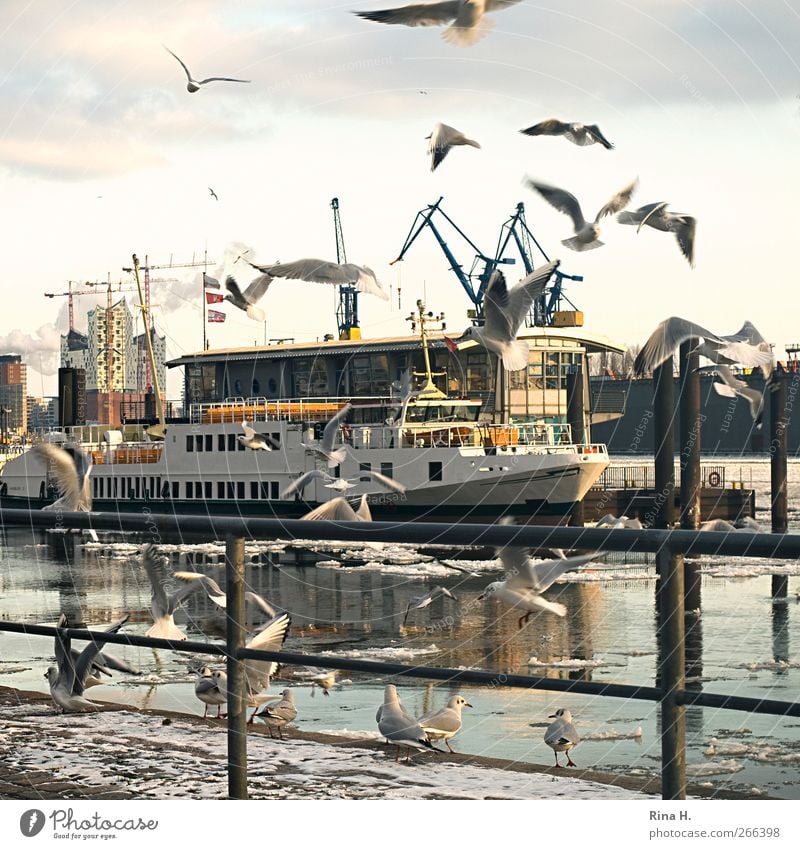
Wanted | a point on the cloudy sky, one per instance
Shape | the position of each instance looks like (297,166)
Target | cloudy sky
(104,153)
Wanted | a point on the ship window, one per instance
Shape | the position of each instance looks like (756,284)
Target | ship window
(274,490)
(264,486)
(190,443)
(387,469)
(198,442)
(276,438)
(240,490)
(157,487)
(189,489)
(98,482)
(175,490)
(94,488)
(253,489)
(365,467)
(231,442)
(239,445)
(434,471)
(220,489)
(137,484)
(229,490)
(209,442)
(208,486)
(221,442)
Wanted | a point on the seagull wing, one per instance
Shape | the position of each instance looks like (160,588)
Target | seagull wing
(684,227)
(155,565)
(87,657)
(64,471)
(416,15)
(221,79)
(546,572)
(197,579)
(249,433)
(270,638)
(526,291)
(261,603)
(594,132)
(364,280)
(619,201)
(64,662)
(441,140)
(257,289)
(311,270)
(337,509)
(236,296)
(664,340)
(643,214)
(332,428)
(186,70)
(388,483)
(561,200)
(551,127)
(497,5)
(303,481)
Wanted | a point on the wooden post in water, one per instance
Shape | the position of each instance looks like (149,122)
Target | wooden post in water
(778,469)
(669,595)
(575,421)
(237,697)
(690,425)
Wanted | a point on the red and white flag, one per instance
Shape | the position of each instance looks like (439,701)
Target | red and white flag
(213,298)
(451,345)
(210,282)
(216,317)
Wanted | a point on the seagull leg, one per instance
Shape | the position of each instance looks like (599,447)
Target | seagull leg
(397,754)
(205,712)
(569,759)
(523,620)
(447,742)
(557,763)
(280,734)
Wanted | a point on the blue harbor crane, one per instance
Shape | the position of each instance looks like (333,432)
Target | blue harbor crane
(544,311)
(347,308)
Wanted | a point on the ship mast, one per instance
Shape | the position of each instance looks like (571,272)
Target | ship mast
(159,430)
(429,390)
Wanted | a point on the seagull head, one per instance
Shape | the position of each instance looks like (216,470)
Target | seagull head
(492,588)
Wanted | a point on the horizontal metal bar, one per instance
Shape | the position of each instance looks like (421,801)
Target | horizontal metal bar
(421,533)
(434,673)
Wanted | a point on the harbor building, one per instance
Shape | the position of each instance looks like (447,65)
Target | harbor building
(13,395)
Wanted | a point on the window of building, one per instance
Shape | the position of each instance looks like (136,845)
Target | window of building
(198,442)
(231,442)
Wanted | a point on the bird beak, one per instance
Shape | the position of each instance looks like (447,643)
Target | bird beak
(481,596)
(552,716)
(467,704)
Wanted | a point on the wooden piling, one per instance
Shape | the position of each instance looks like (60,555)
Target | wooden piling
(575,415)
(237,696)
(690,426)
(778,469)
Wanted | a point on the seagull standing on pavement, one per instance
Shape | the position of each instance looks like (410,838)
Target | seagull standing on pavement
(466,17)
(194,85)
(579,134)
(277,714)
(445,723)
(211,688)
(504,310)
(561,735)
(248,299)
(398,727)
(587,233)
(442,139)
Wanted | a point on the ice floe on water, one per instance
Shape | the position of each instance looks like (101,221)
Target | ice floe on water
(386,652)
(140,754)
(715,768)
(569,663)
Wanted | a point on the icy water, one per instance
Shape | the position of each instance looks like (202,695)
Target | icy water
(741,643)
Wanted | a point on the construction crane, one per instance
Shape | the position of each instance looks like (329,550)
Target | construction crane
(347,308)
(72,294)
(475,281)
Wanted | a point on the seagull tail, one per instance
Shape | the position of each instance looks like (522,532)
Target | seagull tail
(467,36)
(255,313)
(627,218)
(515,356)
(337,457)
(576,244)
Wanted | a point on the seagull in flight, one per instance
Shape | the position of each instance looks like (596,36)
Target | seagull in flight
(213,193)
(504,310)
(324,449)
(655,215)
(70,471)
(747,346)
(579,134)
(340,510)
(194,85)
(321,271)
(269,637)
(422,601)
(587,233)
(255,441)
(339,484)
(248,299)
(732,387)
(442,139)
(466,18)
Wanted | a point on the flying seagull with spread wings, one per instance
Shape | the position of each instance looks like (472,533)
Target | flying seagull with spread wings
(194,85)
(321,271)
(655,215)
(248,299)
(442,139)
(577,133)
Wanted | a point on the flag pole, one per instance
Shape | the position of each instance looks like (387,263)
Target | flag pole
(203,296)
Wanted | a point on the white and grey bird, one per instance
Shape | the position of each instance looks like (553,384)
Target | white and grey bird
(258,673)
(248,299)
(732,387)
(340,484)
(747,346)
(444,723)
(254,441)
(326,682)
(745,525)
(404,388)
(164,602)
(322,271)
(103,664)
(211,688)
(587,233)
(442,140)
(277,714)
(340,510)
(324,448)
(193,85)
(526,580)
(216,621)
(420,602)
(577,133)
(561,735)
(504,310)
(611,521)
(70,471)
(655,215)
(466,17)
(67,677)
(399,729)
(213,193)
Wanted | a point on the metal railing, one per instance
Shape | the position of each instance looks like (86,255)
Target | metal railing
(669,545)
(643,477)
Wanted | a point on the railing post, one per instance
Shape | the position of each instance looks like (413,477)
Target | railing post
(237,698)
(778,426)
(690,422)
(575,421)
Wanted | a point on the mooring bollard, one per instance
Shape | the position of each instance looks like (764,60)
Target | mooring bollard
(237,697)
(575,421)
(778,469)
(669,595)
